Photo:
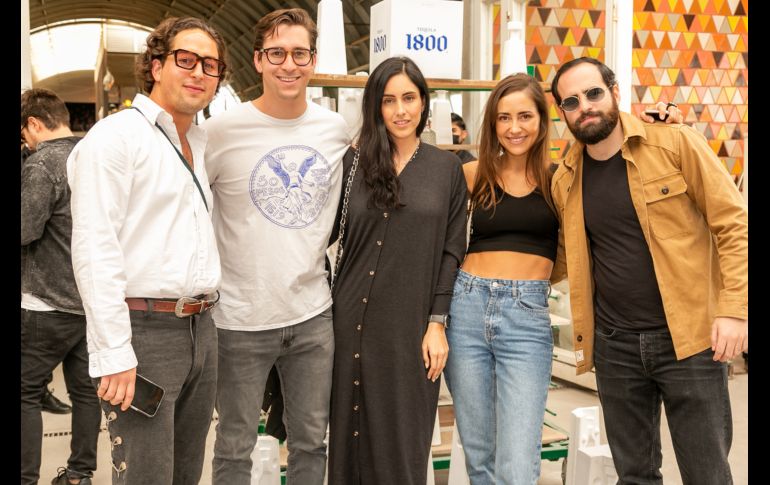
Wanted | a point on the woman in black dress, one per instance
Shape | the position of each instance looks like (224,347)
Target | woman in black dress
(404,238)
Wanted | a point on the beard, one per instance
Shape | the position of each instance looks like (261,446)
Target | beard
(595,132)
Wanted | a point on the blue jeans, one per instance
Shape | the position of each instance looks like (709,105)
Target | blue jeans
(634,374)
(180,355)
(304,356)
(47,339)
(498,371)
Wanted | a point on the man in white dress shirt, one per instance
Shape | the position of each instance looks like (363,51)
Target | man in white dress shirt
(145,257)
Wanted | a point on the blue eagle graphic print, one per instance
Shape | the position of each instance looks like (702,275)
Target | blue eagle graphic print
(290,185)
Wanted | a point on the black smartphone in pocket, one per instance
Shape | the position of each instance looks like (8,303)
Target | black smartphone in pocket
(656,114)
(147,396)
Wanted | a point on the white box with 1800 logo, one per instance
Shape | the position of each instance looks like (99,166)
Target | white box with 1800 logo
(430,32)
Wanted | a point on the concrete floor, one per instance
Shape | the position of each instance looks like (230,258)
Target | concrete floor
(561,400)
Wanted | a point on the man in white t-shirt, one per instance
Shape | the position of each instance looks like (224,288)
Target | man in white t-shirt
(275,167)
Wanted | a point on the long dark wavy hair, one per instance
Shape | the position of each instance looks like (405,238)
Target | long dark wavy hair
(492,154)
(377,147)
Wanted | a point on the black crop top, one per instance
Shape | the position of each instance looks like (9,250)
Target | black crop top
(522,224)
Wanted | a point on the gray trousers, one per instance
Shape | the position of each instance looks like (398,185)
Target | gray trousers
(304,356)
(180,355)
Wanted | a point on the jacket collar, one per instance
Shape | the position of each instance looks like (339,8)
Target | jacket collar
(65,140)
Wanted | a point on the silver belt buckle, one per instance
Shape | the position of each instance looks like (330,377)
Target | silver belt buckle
(180,303)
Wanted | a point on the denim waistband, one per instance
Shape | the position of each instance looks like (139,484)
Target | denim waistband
(469,280)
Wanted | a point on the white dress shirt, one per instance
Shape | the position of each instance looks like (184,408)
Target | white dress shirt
(139,225)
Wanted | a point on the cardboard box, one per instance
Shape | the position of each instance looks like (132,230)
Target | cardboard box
(430,32)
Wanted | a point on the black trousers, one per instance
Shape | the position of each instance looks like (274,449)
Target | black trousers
(47,339)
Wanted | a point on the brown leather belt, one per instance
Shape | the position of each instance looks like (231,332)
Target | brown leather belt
(183,307)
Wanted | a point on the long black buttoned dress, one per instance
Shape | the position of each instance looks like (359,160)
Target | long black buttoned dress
(398,268)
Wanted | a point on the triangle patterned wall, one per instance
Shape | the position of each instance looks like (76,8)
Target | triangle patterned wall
(690,52)
(695,53)
(559,31)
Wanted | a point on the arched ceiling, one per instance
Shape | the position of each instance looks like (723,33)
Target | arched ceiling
(234,19)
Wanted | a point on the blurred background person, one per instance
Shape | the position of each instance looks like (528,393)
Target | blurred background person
(53,323)
(459,135)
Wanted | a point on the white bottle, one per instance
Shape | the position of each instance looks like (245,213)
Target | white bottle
(349,106)
(514,56)
(428,135)
(332,56)
(442,118)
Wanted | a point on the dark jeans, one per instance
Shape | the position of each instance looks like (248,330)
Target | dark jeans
(634,373)
(180,355)
(47,339)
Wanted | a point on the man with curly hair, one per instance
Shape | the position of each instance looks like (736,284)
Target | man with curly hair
(146,260)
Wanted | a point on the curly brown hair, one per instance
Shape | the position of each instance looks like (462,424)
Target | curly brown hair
(159,44)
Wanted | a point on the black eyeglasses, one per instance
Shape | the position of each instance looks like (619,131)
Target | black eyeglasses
(593,95)
(277,55)
(188,60)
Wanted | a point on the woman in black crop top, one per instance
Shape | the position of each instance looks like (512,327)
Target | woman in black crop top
(500,339)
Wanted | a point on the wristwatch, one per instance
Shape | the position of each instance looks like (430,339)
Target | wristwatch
(442,319)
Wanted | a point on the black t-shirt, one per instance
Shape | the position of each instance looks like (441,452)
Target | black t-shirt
(626,295)
(466,156)
(524,224)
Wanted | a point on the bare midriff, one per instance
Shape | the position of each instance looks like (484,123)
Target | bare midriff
(508,265)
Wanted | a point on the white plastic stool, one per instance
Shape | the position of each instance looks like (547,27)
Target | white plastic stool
(265,469)
(431,480)
(458,475)
(589,462)
(595,467)
(436,440)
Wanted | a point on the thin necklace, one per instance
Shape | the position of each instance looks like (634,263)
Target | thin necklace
(417,149)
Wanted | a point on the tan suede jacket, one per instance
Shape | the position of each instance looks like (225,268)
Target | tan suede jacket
(694,221)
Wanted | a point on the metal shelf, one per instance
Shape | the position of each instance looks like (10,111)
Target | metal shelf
(348,81)
(473,146)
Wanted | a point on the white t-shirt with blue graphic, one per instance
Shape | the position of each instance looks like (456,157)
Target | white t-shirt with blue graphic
(276,186)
